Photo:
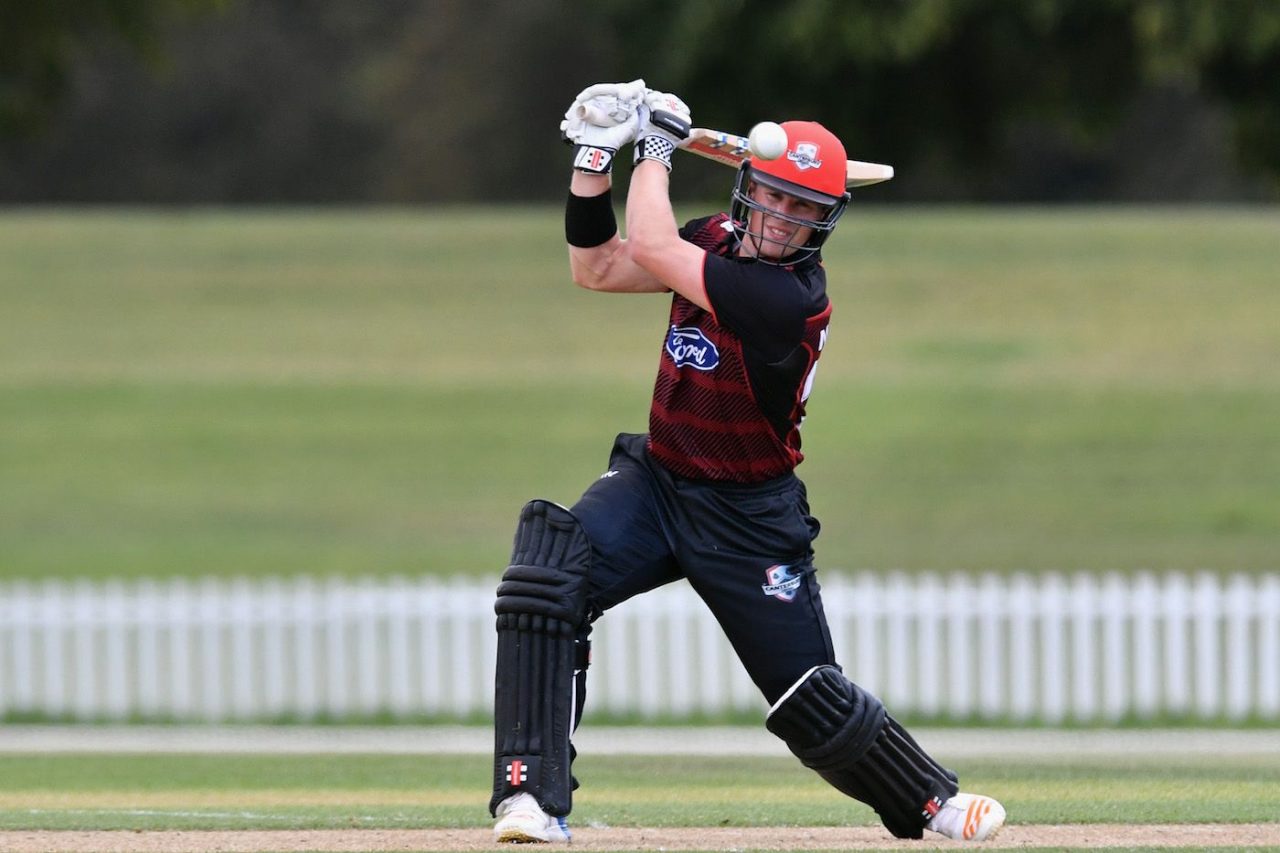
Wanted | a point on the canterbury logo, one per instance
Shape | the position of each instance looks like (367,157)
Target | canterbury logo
(978,809)
(805,156)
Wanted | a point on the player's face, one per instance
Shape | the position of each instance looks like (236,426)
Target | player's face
(778,237)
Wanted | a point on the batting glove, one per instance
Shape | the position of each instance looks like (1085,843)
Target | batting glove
(664,123)
(601,120)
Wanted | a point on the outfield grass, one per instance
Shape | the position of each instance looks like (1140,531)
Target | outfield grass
(377,392)
(315,791)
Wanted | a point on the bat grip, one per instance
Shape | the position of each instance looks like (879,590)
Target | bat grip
(671,123)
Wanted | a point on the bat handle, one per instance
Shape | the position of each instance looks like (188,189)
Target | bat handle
(671,123)
(594,115)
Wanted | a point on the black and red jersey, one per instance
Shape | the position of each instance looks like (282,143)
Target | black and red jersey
(732,382)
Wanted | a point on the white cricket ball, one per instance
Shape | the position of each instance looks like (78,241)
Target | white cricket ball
(767,140)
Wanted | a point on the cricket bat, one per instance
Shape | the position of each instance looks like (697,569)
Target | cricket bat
(731,149)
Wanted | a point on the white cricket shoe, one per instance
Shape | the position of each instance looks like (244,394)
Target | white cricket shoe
(521,821)
(968,817)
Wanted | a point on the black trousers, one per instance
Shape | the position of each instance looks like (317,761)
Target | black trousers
(746,550)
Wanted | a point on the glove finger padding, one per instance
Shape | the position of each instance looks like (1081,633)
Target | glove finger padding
(606,110)
(633,91)
(667,102)
(601,120)
(606,104)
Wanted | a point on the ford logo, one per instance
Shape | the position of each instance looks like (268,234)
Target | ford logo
(687,345)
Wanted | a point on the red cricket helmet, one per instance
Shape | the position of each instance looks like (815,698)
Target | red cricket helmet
(814,161)
(813,168)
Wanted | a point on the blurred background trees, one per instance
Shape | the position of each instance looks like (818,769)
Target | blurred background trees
(306,101)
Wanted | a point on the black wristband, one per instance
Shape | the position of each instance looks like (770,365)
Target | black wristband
(589,220)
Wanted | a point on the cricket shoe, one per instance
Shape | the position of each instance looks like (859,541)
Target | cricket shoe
(522,821)
(968,817)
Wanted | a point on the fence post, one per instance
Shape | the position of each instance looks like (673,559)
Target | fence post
(1208,619)
(1053,658)
(1022,648)
(180,620)
(1176,607)
(23,619)
(992,669)
(396,603)
(1146,644)
(864,615)
(245,663)
(366,607)
(1238,610)
(272,615)
(930,622)
(1267,604)
(116,630)
(1117,612)
(1083,611)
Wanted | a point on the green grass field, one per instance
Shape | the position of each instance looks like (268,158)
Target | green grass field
(153,792)
(377,392)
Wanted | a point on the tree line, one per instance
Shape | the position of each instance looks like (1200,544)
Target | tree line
(412,101)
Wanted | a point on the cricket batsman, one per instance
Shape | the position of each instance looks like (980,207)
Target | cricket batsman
(709,493)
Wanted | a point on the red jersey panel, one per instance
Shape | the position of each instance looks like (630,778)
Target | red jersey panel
(732,382)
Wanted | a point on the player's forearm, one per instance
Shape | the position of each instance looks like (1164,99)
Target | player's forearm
(599,259)
(590,228)
(653,239)
(651,223)
(589,183)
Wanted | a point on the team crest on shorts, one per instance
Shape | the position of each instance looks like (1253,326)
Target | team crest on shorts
(687,345)
(781,583)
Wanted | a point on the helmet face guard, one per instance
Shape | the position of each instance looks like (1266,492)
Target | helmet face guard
(811,168)
(743,205)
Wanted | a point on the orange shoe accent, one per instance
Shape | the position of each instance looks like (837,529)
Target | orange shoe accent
(977,811)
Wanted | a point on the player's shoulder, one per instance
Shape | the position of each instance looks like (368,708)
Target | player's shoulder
(713,233)
(811,276)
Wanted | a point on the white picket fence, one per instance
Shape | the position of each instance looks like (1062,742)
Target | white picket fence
(1049,648)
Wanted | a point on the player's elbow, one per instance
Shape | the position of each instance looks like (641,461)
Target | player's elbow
(588,282)
(647,248)
(585,273)
(585,280)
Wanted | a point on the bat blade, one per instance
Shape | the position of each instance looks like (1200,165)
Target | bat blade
(731,149)
(727,148)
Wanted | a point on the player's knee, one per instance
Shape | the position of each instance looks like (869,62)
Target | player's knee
(549,563)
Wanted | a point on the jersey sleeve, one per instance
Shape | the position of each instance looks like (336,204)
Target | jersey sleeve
(707,232)
(764,305)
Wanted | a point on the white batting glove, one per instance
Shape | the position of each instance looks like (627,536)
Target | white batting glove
(664,124)
(600,121)
(607,104)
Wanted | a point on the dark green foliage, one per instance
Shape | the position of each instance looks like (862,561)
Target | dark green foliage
(283,100)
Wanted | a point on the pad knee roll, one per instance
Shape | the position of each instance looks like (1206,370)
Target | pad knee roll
(844,734)
(549,561)
(540,608)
